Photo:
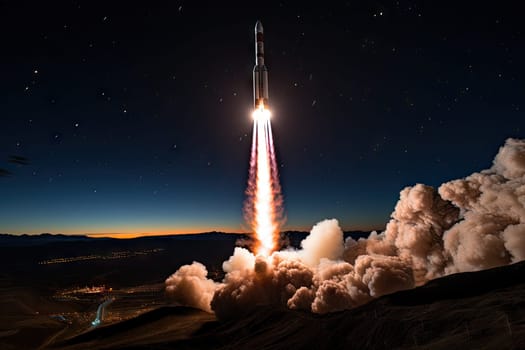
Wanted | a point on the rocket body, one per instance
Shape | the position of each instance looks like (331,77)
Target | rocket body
(260,72)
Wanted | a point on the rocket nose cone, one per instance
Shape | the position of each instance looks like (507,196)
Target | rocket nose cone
(258,27)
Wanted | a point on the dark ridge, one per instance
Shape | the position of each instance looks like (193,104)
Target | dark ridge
(476,310)
(358,234)
(205,236)
(24,259)
(46,238)
(103,332)
(12,239)
(462,285)
(43,238)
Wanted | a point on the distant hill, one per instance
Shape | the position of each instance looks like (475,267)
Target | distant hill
(476,310)
(43,238)
(46,238)
(293,237)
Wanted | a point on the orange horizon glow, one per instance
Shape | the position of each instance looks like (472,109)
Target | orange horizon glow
(148,232)
(189,231)
(123,231)
(153,234)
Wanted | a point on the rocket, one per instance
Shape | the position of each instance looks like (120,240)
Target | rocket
(260,73)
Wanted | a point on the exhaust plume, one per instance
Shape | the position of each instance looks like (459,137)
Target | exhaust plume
(263,205)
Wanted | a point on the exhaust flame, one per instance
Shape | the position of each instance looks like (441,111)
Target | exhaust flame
(263,206)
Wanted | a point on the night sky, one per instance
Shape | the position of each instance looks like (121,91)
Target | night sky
(136,116)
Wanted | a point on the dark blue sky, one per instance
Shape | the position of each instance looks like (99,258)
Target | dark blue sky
(136,118)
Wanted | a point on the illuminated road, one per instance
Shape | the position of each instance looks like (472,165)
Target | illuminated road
(100,312)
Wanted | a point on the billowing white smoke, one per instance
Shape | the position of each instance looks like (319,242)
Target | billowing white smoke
(492,204)
(467,225)
(191,286)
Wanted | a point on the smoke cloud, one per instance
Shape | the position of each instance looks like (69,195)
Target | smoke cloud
(468,224)
(191,287)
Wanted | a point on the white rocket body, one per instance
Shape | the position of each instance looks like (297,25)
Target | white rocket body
(260,72)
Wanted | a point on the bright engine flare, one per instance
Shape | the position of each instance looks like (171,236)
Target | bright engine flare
(261,114)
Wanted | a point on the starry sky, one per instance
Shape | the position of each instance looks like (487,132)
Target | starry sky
(120,118)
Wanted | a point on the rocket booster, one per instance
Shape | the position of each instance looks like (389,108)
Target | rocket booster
(260,73)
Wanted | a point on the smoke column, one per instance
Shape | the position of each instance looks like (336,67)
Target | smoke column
(467,224)
(263,206)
